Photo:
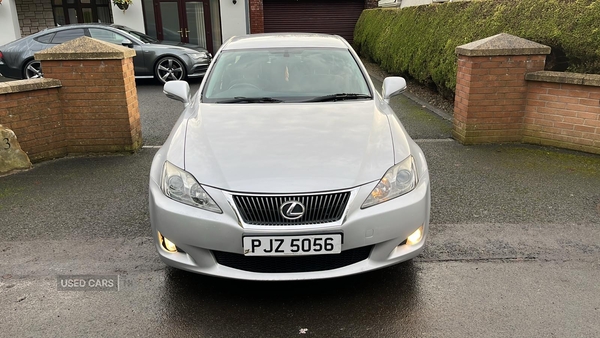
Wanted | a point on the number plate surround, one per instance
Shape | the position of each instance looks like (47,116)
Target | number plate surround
(292,245)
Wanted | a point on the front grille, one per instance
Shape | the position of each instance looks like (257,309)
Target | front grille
(279,264)
(264,210)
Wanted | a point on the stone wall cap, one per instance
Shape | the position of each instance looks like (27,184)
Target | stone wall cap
(502,44)
(85,48)
(28,85)
(564,77)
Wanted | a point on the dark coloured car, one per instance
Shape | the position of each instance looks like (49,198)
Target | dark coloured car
(163,60)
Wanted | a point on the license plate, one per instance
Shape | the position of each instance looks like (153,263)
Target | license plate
(292,245)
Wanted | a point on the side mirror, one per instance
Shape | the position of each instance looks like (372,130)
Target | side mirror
(392,86)
(127,43)
(178,90)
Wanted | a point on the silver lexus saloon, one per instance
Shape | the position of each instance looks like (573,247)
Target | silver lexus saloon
(287,164)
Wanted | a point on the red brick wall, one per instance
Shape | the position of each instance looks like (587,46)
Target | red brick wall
(35,117)
(99,104)
(257,24)
(563,115)
(490,96)
(495,103)
(95,110)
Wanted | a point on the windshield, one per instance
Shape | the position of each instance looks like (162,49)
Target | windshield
(143,37)
(284,75)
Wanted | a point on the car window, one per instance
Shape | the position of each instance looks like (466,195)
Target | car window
(67,35)
(291,74)
(107,36)
(145,38)
(45,38)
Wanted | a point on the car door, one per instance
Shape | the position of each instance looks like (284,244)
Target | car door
(107,35)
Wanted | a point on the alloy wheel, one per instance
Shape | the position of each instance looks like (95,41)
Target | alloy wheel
(33,70)
(169,69)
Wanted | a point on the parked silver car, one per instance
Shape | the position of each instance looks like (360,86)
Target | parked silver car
(166,61)
(287,164)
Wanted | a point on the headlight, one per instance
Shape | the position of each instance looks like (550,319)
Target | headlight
(181,186)
(199,55)
(398,180)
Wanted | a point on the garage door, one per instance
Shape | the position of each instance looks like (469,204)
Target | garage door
(312,16)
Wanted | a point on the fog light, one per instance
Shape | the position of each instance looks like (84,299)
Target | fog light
(166,244)
(415,237)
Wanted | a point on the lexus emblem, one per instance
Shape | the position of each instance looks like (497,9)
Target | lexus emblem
(292,210)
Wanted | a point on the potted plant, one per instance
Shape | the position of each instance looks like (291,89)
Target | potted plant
(123,4)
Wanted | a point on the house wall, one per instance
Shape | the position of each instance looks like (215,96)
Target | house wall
(412,3)
(257,22)
(9,23)
(34,15)
(133,17)
(233,18)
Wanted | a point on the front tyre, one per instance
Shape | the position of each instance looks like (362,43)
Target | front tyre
(33,70)
(169,69)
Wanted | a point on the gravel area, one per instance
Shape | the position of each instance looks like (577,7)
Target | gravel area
(413,87)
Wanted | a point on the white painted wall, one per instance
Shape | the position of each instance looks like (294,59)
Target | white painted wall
(412,3)
(233,18)
(390,3)
(9,22)
(133,17)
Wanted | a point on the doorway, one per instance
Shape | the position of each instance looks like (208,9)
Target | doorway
(185,21)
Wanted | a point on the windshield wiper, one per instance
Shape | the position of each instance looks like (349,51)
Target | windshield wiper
(339,97)
(240,99)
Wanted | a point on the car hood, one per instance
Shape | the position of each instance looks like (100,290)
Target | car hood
(177,45)
(288,148)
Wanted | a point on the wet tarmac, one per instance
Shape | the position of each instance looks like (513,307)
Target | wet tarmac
(513,252)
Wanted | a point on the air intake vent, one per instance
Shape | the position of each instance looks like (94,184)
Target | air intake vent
(289,264)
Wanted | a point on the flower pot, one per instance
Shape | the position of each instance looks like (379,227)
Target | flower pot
(122,7)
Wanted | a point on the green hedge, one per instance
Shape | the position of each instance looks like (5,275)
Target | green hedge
(420,41)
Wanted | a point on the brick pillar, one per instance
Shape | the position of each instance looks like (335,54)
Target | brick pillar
(491,90)
(98,95)
(257,22)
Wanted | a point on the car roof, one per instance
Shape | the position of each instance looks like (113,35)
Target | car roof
(285,40)
(75,25)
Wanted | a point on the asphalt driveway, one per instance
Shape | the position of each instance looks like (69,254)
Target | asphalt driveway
(513,251)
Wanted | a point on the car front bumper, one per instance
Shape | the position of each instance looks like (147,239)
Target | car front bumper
(197,67)
(203,235)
